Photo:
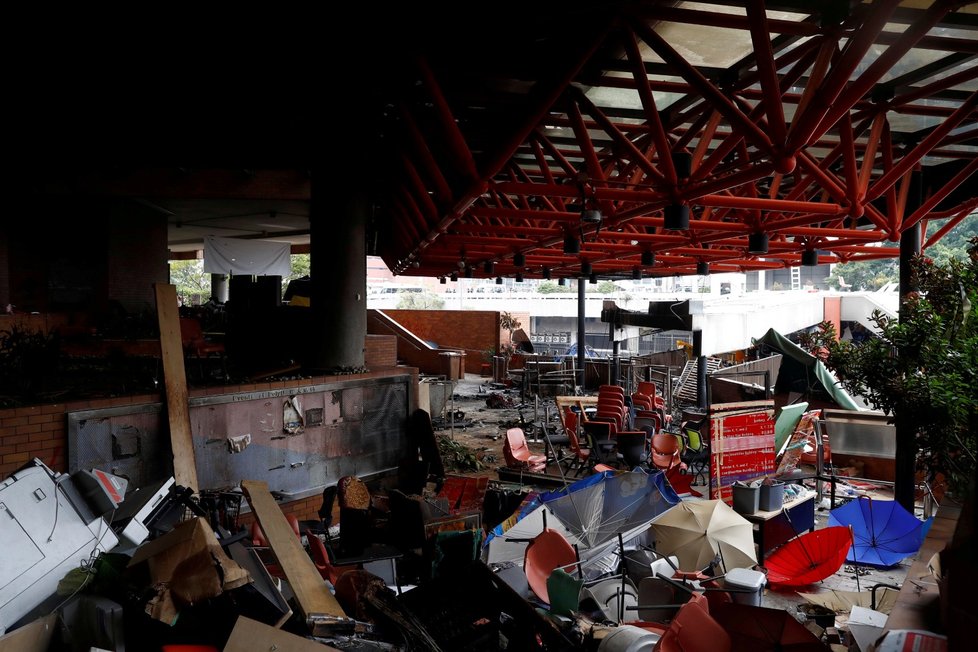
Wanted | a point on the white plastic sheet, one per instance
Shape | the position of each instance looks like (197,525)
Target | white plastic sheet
(246,257)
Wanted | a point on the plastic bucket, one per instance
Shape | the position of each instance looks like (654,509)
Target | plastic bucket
(745,499)
(628,638)
(772,497)
(749,585)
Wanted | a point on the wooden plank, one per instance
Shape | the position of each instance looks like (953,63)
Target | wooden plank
(32,637)
(177,409)
(250,635)
(311,591)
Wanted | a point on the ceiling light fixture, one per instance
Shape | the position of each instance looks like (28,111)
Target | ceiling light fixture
(676,217)
(519,259)
(809,257)
(648,258)
(757,243)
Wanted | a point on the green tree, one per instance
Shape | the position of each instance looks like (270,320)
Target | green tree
(866,274)
(190,280)
(420,301)
(922,369)
(549,287)
(300,267)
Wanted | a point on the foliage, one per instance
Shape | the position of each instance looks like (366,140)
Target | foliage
(551,287)
(922,369)
(865,275)
(420,301)
(607,287)
(192,284)
(954,244)
(458,457)
(28,360)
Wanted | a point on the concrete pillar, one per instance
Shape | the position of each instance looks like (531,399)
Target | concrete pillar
(338,214)
(219,287)
(701,397)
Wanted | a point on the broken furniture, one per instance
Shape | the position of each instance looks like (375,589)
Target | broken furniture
(47,528)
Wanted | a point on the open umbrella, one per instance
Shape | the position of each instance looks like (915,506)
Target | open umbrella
(883,531)
(809,558)
(697,531)
(590,513)
(762,629)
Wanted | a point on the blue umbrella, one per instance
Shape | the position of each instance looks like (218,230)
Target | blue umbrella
(883,531)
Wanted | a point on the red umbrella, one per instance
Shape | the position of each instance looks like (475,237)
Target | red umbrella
(809,558)
(761,629)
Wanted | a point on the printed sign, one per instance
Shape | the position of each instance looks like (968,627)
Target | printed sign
(742,445)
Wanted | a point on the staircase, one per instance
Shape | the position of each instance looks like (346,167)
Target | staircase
(686,385)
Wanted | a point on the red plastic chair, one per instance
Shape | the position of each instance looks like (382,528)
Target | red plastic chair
(549,550)
(258,540)
(518,455)
(666,451)
(320,557)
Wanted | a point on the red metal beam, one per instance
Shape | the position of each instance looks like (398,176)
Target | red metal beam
(939,196)
(760,28)
(428,163)
(711,93)
(806,123)
(634,153)
(926,145)
(658,132)
(453,135)
(950,224)
(883,64)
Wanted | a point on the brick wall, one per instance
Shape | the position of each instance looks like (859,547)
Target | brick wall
(137,253)
(381,352)
(473,331)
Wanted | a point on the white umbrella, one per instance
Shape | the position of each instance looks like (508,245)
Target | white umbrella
(697,531)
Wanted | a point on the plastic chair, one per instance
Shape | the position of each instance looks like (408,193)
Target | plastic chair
(258,540)
(517,452)
(666,451)
(696,455)
(548,550)
(320,557)
(579,460)
(633,447)
(564,591)
(196,345)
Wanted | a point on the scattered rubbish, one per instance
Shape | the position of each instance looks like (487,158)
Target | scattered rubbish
(239,443)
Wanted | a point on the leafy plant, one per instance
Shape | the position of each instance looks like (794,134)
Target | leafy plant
(458,457)
(922,369)
(28,361)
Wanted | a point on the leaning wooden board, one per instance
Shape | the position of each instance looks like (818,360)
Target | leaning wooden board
(311,591)
(175,376)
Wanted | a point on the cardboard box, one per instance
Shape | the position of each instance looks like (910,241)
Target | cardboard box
(187,565)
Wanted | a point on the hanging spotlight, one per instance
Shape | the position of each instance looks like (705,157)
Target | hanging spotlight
(441,279)
(593,279)
(487,266)
(546,273)
(519,277)
(519,259)
(683,162)
(499,280)
(757,243)
(648,258)
(637,274)
(676,217)
(809,257)
(454,276)
(591,216)
(571,244)
(585,267)
(703,268)
(469,273)
(561,281)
